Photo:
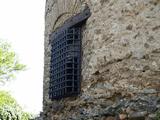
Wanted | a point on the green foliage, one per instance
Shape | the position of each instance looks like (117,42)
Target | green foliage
(9,63)
(10,110)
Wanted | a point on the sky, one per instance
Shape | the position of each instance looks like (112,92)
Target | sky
(22,24)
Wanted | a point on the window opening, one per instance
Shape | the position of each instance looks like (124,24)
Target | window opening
(65,64)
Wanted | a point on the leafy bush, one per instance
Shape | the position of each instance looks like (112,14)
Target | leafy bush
(10,110)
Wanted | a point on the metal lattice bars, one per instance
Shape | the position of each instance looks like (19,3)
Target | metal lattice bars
(65,63)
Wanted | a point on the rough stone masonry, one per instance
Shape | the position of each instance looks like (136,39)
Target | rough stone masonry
(120,63)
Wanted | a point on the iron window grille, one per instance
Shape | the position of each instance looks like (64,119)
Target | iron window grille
(65,64)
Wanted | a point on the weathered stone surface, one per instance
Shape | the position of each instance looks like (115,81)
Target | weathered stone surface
(123,116)
(138,115)
(121,58)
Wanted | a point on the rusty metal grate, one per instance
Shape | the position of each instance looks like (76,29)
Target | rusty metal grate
(65,67)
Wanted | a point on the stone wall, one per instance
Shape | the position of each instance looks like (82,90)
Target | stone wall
(121,60)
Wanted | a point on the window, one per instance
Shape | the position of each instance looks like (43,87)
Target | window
(65,66)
